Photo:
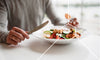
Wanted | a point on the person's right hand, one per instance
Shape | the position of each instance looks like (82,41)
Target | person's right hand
(16,35)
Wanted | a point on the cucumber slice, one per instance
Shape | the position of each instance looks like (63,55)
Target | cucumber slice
(47,32)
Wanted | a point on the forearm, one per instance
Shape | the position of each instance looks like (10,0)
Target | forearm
(3,27)
(3,22)
(3,32)
(3,36)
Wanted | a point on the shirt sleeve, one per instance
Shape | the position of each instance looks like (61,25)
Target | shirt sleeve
(3,22)
(51,13)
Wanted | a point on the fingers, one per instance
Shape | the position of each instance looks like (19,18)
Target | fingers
(14,38)
(9,41)
(21,31)
(18,35)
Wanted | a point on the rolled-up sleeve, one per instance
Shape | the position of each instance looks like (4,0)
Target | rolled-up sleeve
(51,13)
(3,22)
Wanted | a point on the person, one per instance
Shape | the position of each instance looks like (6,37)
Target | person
(19,16)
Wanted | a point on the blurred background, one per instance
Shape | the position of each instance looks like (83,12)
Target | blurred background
(86,11)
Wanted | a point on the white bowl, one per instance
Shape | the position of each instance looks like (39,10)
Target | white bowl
(64,41)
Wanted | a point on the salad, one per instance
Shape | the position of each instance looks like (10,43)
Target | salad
(61,34)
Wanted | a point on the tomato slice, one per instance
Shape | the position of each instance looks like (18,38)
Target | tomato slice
(61,38)
(57,37)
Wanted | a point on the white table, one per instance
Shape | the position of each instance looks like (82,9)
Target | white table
(33,48)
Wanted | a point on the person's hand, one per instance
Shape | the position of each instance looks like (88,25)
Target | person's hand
(16,35)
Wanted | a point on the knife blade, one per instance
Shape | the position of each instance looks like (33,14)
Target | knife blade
(38,27)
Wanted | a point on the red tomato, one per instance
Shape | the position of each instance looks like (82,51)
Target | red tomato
(61,38)
(57,37)
(53,36)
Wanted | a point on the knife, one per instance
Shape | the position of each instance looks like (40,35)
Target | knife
(38,27)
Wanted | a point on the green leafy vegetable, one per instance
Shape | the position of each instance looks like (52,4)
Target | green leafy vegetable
(51,29)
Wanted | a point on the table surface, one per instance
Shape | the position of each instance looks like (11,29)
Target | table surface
(32,49)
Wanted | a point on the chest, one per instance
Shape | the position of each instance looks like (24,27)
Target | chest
(20,9)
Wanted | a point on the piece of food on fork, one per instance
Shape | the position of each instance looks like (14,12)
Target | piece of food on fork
(72,22)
